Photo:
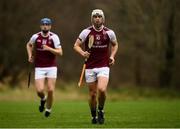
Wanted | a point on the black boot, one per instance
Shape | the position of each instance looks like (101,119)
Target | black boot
(101,117)
(94,120)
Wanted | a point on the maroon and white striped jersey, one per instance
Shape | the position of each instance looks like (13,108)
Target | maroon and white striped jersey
(45,58)
(99,52)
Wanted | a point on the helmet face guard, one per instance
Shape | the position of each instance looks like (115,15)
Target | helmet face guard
(97,12)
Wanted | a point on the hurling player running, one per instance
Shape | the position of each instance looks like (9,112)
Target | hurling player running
(99,58)
(46,46)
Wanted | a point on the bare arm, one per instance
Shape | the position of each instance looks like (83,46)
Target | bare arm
(29,48)
(78,49)
(114,48)
(55,51)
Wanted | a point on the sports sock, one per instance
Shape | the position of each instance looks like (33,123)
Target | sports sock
(48,110)
(43,99)
(93,112)
(100,108)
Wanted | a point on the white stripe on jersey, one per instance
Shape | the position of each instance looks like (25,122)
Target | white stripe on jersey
(83,35)
(111,35)
(53,36)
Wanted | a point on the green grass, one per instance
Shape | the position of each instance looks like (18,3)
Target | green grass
(75,114)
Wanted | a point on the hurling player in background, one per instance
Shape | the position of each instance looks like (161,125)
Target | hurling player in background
(46,46)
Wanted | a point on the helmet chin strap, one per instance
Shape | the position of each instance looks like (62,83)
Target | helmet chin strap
(45,31)
(98,28)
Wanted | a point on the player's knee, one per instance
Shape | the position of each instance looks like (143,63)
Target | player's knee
(102,89)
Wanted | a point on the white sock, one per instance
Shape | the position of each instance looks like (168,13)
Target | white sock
(48,110)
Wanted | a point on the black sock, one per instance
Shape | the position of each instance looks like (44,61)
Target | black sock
(100,108)
(93,112)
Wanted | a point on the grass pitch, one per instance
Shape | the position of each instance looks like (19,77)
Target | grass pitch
(76,114)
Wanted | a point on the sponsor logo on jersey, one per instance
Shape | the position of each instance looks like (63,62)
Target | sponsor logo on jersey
(100,46)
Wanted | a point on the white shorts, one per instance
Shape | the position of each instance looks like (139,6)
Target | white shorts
(49,72)
(92,74)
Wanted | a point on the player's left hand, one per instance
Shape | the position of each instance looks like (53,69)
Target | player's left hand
(45,47)
(111,60)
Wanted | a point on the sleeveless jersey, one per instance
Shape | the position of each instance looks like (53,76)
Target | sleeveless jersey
(99,52)
(45,58)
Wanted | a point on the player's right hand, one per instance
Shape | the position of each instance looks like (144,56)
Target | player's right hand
(86,54)
(111,61)
(31,59)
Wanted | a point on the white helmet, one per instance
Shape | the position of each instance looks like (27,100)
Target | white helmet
(98,12)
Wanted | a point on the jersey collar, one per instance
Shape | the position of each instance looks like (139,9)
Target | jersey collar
(44,35)
(101,28)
